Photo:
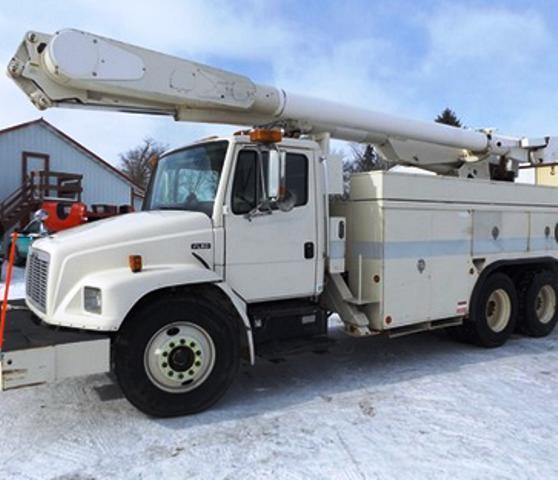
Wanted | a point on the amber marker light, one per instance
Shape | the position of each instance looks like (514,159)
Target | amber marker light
(265,135)
(136,263)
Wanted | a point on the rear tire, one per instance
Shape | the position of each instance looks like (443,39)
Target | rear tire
(539,307)
(494,313)
(177,356)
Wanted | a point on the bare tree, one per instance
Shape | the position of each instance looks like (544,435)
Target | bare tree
(363,158)
(135,163)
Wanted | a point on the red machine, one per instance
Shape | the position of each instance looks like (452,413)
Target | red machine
(62,216)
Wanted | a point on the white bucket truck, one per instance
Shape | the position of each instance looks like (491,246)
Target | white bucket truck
(243,241)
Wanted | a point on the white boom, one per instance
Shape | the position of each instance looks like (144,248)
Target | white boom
(78,69)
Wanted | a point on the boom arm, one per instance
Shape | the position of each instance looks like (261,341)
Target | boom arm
(78,69)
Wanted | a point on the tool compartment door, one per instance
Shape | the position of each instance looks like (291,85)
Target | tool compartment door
(406,292)
(426,263)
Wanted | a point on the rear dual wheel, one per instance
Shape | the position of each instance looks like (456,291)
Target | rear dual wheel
(539,309)
(494,313)
(497,310)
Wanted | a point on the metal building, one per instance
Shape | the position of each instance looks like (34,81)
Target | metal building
(37,153)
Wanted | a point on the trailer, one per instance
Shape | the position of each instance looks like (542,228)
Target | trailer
(245,243)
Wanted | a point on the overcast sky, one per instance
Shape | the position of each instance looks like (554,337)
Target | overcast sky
(493,62)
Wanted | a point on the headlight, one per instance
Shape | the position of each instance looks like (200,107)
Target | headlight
(92,300)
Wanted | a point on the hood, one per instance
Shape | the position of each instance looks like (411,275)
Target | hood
(164,239)
(130,228)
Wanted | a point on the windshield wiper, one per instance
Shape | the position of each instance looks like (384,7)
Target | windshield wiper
(169,207)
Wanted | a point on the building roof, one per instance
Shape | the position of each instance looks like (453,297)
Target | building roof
(49,126)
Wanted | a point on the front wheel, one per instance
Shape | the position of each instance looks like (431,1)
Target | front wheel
(176,356)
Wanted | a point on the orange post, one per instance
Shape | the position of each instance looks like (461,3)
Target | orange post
(11,260)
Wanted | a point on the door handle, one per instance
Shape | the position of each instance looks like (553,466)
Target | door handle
(309,250)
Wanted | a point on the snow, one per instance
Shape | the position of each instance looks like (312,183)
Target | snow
(416,407)
(17,286)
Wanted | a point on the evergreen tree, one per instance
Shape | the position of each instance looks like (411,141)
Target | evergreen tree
(448,117)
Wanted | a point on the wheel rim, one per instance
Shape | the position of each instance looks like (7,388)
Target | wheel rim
(179,357)
(545,304)
(498,310)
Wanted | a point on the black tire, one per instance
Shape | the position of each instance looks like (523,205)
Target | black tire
(483,326)
(542,288)
(19,260)
(135,337)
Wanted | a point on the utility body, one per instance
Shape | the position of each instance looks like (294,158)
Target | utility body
(246,242)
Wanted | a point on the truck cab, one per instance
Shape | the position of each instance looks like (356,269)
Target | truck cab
(206,218)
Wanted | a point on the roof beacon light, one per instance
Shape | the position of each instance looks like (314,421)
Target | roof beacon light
(266,135)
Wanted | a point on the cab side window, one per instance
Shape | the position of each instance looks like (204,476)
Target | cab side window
(246,186)
(297,177)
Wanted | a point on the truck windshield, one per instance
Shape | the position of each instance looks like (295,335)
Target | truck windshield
(188,179)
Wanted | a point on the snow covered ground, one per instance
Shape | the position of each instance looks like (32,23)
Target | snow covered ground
(17,288)
(412,408)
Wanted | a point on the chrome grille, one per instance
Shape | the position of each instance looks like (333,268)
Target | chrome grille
(37,279)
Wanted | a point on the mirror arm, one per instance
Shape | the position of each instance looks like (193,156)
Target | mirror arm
(262,176)
(257,211)
(264,202)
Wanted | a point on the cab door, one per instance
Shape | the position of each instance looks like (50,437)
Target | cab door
(271,255)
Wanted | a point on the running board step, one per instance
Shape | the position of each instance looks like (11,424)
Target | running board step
(424,327)
(274,351)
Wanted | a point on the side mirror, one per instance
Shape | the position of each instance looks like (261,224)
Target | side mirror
(276,175)
(41,216)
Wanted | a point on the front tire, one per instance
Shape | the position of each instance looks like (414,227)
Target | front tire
(540,305)
(176,356)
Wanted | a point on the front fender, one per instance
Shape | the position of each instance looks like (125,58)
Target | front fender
(121,290)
